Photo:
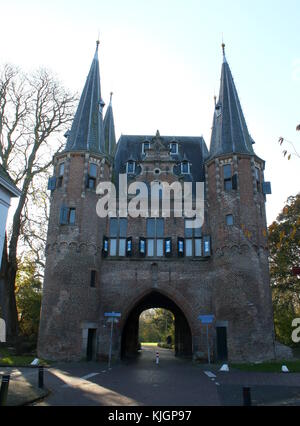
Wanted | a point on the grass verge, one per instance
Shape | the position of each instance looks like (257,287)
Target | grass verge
(9,360)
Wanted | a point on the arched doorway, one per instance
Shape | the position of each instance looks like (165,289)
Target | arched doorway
(130,332)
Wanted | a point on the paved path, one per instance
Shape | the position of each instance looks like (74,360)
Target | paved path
(174,382)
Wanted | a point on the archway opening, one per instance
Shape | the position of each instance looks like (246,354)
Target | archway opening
(157,327)
(130,344)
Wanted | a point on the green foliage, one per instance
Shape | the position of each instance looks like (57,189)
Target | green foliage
(284,246)
(156,325)
(28,297)
(269,367)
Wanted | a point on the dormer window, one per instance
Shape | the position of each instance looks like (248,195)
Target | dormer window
(130,167)
(174,148)
(146,147)
(185,168)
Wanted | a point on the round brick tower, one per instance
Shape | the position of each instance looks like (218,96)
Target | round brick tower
(74,243)
(236,195)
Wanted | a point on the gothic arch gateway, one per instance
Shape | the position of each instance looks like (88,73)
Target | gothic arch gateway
(155,299)
(96,265)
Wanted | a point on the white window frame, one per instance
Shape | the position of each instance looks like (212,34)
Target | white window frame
(173,143)
(189,168)
(134,167)
(143,148)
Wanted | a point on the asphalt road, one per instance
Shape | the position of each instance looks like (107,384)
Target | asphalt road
(174,382)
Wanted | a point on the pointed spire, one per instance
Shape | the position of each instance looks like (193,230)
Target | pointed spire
(230,133)
(87,129)
(109,129)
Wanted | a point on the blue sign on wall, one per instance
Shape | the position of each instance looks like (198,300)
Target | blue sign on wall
(206,319)
(112,314)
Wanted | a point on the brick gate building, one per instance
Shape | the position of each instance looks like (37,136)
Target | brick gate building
(123,264)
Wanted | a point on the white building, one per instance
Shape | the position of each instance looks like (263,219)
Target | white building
(8,190)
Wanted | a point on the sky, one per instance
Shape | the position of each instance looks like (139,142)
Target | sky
(162,60)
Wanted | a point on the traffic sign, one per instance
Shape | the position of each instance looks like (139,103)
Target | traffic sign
(206,319)
(112,314)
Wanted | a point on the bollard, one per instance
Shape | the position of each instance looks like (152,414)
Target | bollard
(4,389)
(41,376)
(247,397)
(157,358)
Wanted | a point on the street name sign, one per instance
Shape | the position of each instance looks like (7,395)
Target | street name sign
(206,319)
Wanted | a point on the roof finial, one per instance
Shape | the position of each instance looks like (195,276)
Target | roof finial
(223,48)
(111,94)
(215,99)
(97,43)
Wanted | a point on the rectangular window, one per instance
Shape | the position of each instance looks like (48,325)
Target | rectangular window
(93,170)
(188,247)
(229,220)
(123,227)
(198,247)
(146,146)
(227,177)
(159,248)
(155,231)
(130,167)
(118,233)
(150,227)
(185,168)
(227,171)
(67,216)
(113,247)
(160,227)
(61,171)
(193,241)
(72,215)
(150,247)
(113,227)
(257,177)
(92,176)
(174,148)
(122,247)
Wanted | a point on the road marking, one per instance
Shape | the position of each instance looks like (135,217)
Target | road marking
(217,384)
(210,374)
(88,376)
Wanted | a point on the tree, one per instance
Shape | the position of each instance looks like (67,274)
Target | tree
(156,325)
(28,298)
(34,108)
(284,246)
(294,151)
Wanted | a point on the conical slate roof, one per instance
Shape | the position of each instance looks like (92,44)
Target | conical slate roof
(87,128)
(109,129)
(230,133)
